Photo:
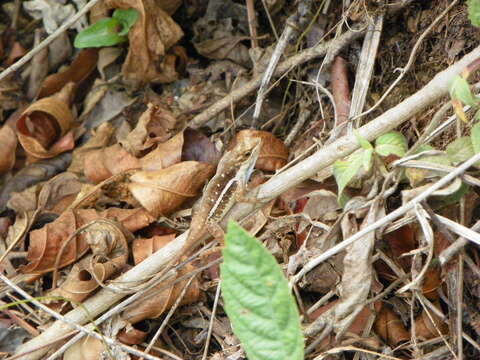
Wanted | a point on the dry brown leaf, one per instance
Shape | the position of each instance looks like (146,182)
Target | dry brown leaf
(198,147)
(103,163)
(150,38)
(154,125)
(79,69)
(46,242)
(156,301)
(133,335)
(100,139)
(273,154)
(8,146)
(33,174)
(108,241)
(16,52)
(425,328)
(163,191)
(166,154)
(88,348)
(44,128)
(144,247)
(389,326)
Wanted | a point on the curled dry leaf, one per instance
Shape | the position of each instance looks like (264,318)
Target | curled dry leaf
(44,128)
(154,125)
(163,191)
(150,38)
(8,146)
(389,326)
(33,174)
(79,70)
(135,335)
(103,163)
(45,243)
(157,300)
(108,241)
(273,154)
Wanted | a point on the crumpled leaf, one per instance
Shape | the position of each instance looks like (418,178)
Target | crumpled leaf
(357,271)
(215,36)
(108,242)
(46,242)
(44,128)
(273,153)
(103,163)
(80,68)
(144,247)
(150,38)
(165,154)
(8,146)
(265,317)
(156,301)
(163,191)
(154,125)
(426,329)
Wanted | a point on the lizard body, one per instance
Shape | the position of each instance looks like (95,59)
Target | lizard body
(223,190)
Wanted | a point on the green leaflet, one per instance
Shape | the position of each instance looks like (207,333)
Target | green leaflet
(475,136)
(258,301)
(391,143)
(108,31)
(345,170)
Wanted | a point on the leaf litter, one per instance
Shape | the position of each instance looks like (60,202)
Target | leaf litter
(102,162)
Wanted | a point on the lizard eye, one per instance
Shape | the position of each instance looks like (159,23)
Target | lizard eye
(248,153)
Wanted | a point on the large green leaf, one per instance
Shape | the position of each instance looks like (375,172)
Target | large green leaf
(474,11)
(345,170)
(391,143)
(127,18)
(258,301)
(460,149)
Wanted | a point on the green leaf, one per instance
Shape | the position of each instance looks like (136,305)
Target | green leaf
(475,137)
(460,90)
(103,33)
(258,301)
(416,176)
(391,143)
(474,12)
(345,170)
(126,18)
(460,150)
(362,141)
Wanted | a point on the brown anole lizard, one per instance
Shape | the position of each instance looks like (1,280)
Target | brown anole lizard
(225,188)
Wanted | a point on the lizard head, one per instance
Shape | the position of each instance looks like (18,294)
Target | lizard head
(246,153)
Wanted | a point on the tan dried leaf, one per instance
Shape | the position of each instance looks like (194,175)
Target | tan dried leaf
(165,154)
(103,163)
(152,35)
(88,348)
(144,247)
(79,70)
(273,154)
(163,191)
(44,128)
(8,146)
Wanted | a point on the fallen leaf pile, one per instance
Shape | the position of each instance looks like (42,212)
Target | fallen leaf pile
(106,151)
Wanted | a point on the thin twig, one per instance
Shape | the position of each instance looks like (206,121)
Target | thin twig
(212,320)
(252,23)
(27,57)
